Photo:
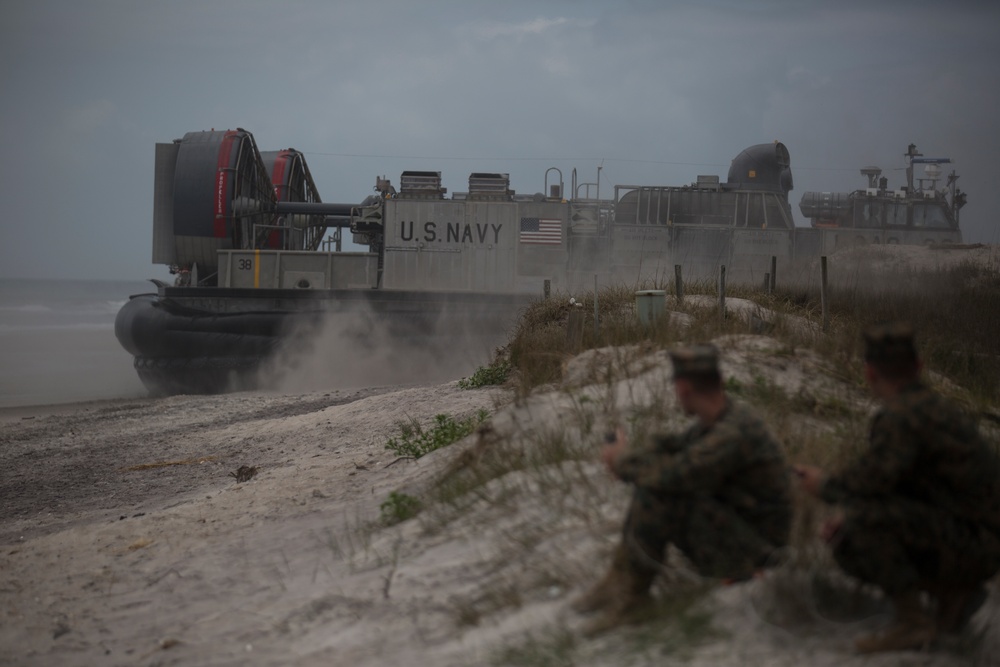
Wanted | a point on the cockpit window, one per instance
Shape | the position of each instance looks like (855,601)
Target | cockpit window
(896,215)
(868,213)
(931,216)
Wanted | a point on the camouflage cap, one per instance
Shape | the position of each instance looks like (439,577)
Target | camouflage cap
(695,360)
(890,343)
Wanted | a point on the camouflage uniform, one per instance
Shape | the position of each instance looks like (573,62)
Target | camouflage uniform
(721,494)
(922,504)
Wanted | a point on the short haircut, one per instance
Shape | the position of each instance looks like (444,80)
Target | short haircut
(897,370)
(706,382)
(891,350)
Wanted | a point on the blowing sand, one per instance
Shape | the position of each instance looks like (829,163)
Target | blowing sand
(124,539)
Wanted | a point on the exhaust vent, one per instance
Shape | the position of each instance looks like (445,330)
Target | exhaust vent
(489,186)
(421,185)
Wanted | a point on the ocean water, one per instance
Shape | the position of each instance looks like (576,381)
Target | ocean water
(57,341)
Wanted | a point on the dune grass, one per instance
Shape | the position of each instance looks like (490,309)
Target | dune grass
(955,311)
(549,477)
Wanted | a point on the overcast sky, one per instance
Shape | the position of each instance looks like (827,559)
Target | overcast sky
(655,91)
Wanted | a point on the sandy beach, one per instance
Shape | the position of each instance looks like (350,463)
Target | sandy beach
(126,539)
(124,533)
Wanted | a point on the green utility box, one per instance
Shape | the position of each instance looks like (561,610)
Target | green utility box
(650,305)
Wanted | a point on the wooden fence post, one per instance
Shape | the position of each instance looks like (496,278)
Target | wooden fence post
(822,292)
(574,330)
(597,329)
(722,292)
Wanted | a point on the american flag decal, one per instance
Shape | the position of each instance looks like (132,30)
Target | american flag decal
(545,231)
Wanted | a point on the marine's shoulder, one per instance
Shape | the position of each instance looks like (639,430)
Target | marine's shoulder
(918,400)
(740,412)
(743,427)
(741,420)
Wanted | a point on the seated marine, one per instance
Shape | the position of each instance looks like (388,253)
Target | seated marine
(720,492)
(919,509)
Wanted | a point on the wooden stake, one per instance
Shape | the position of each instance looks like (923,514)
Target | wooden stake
(822,292)
(596,321)
(722,292)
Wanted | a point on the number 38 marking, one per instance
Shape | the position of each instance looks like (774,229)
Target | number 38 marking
(245,264)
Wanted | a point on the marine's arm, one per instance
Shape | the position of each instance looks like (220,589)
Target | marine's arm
(626,464)
(875,472)
(700,465)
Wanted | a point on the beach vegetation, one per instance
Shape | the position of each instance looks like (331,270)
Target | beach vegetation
(399,507)
(414,440)
(493,374)
(538,484)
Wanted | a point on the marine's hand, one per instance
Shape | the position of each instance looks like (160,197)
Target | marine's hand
(810,478)
(667,443)
(614,445)
(831,527)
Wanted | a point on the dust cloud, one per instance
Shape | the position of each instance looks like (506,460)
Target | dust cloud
(361,346)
